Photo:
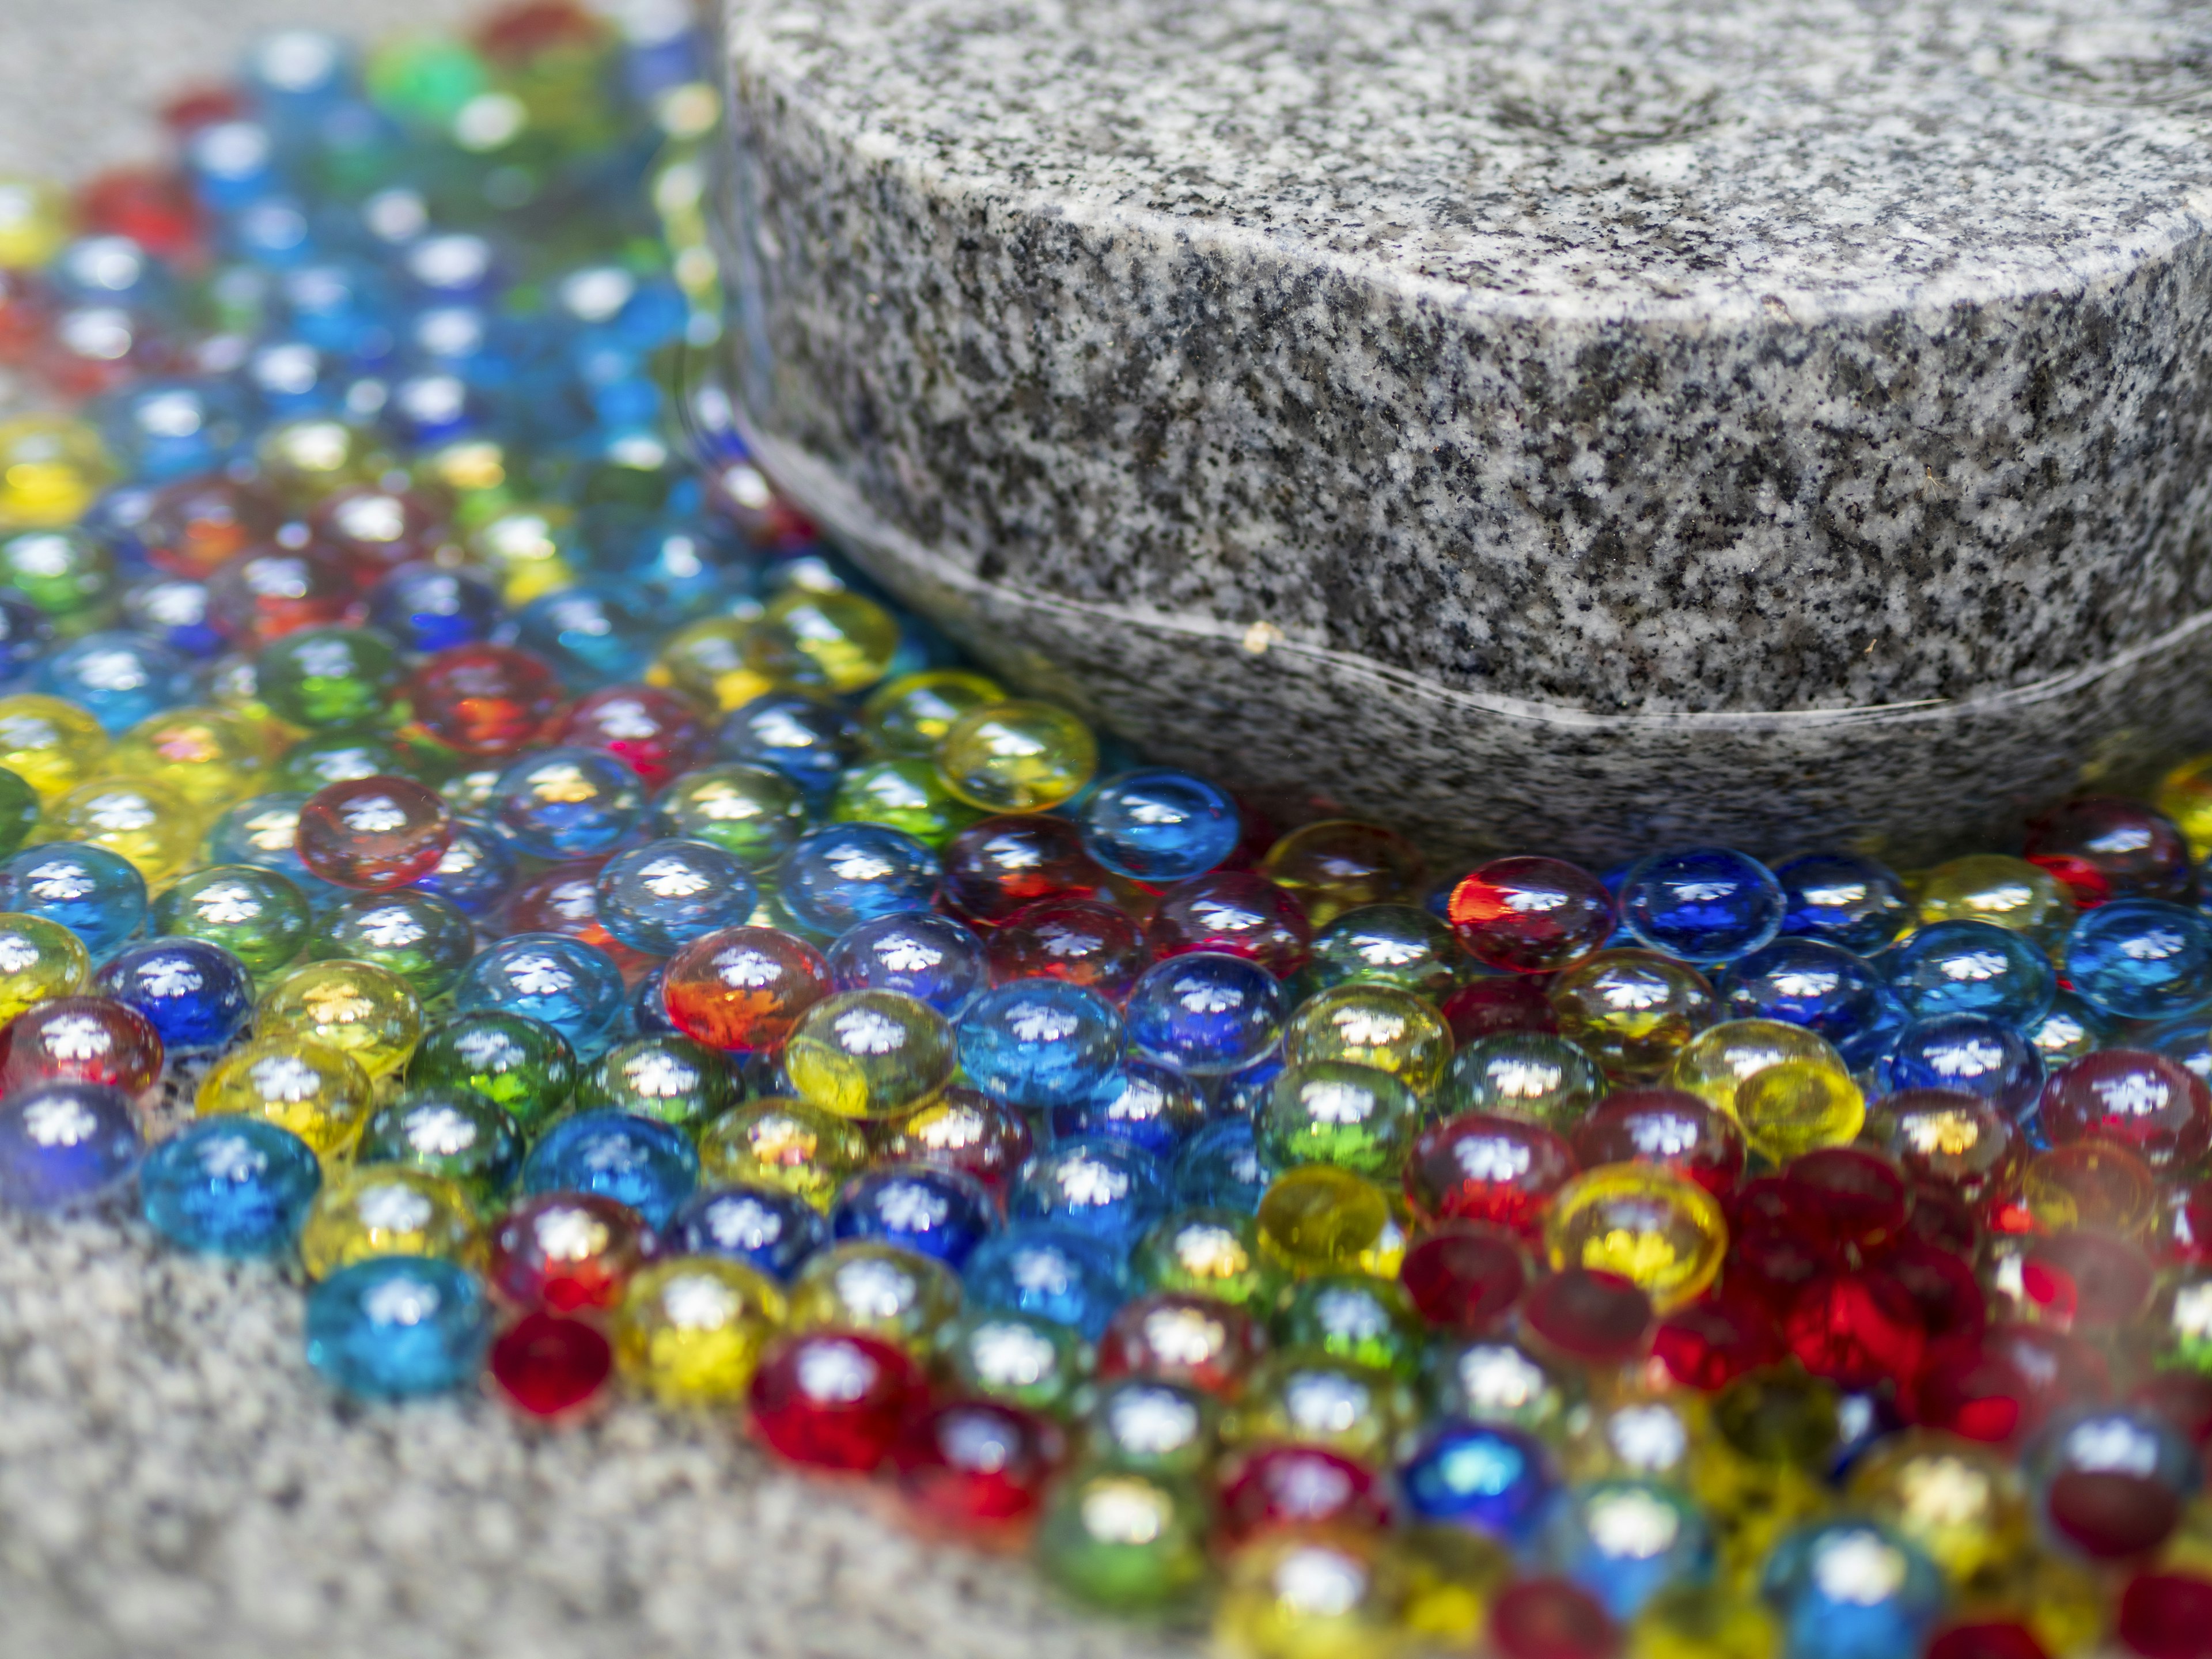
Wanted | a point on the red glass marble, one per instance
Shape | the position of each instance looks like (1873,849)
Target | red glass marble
(153,206)
(2085,1281)
(1551,1618)
(26,314)
(2156,1108)
(567,1251)
(2001,1386)
(375,530)
(1236,912)
(1083,941)
(1465,1278)
(84,1040)
(2166,1615)
(1941,1283)
(1856,1329)
(1279,1486)
(1670,1128)
(1178,1336)
(2102,848)
(372,834)
(266,592)
(964,1129)
(1588,1317)
(486,702)
(1943,1220)
(2003,1640)
(1479,1168)
(1498,1003)
(2107,1512)
(743,988)
(1949,1138)
(547,1365)
(194,525)
(834,1400)
(201,106)
(1531,916)
(1711,1343)
(656,734)
(977,1465)
(1853,1197)
(1002,866)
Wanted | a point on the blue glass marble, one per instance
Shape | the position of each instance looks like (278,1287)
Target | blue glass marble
(567,803)
(452,268)
(1053,1272)
(394,1327)
(97,895)
(292,76)
(1160,825)
(64,1146)
(1483,1476)
(160,429)
(116,520)
(1205,1013)
(1972,968)
(931,1211)
(592,635)
(426,410)
(118,677)
(170,608)
(343,307)
(1816,984)
(1242,1093)
(1706,904)
(1219,1169)
(930,957)
(1148,1106)
(659,897)
(2142,958)
(291,378)
(230,163)
(2187,1040)
(807,740)
(1107,1190)
(648,1012)
(475,873)
(25,633)
(195,994)
(426,609)
(1626,1541)
(1040,1042)
(637,1161)
(230,1186)
(841,874)
(1968,1052)
(263,830)
(1851,1589)
(569,985)
(113,271)
(764,1227)
(683,569)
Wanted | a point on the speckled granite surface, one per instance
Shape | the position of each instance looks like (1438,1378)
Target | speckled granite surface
(1555,421)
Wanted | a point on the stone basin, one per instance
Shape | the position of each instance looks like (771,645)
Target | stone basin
(1554,424)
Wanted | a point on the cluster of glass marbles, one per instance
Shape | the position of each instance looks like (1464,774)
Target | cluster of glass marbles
(604,945)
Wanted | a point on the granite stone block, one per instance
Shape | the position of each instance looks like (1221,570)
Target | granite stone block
(1558,422)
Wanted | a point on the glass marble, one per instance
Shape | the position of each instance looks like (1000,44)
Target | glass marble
(1633,1011)
(1375,1025)
(235,1186)
(522,1064)
(118,677)
(361,1010)
(1531,916)
(318,1093)
(1792,1108)
(1157,825)
(744,988)
(875,1288)
(568,803)
(1396,945)
(489,703)
(753,811)
(83,1040)
(386,1210)
(328,677)
(1353,1117)
(1355,1317)
(1969,1052)
(1718,1062)
(1660,1230)
(1856,903)
(1017,756)
(785,1144)
(98,894)
(1818,985)
(420,937)
(456,1133)
(475,871)
(1214,1253)
(2140,960)
(426,609)
(1972,968)
(255,914)
(905,795)
(840,875)
(195,996)
(328,757)
(1149,1106)
(66,1146)
(2102,847)
(1706,905)
(1523,1074)
(1625,1541)
(19,811)
(38,960)
(931,1211)
(834,1400)
(563,982)
(138,820)
(659,897)
(1040,1043)
(838,642)
(51,745)
(693,1328)
(1339,864)
(2152,1106)
(1083,941)
(909,716)
(1481,1169)
(808,741)
(1850,1589)
(1219,1166)
(1046,1270)
(1022,1360)
(67,573)
(668,1078)
(1319,1218)
(1105,1188)
(210,756)
(925,956)
(1205,1013)
(766,1228)
(1487,1477)
(397,1327)
(641,1161)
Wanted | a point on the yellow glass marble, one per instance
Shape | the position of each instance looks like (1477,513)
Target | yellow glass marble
(318,1093)
(53,467)
(2185,796)
(865,1284)
(52,745)
(1452,1576)
(136,818)
(2090,1186)
(1717,1061)
(385,1209)
(1304,1397)
(2065,1604)
(527,550)
(304,460)
(1632,1010)
(1375,1025)
(365,1011)
(474,474)
(1702,1621)
(1797,1107)
(1961,1501)
(36,220)
(785,1143)
(870,1053)
(838,641)
(909,716)
(2005,892)
(1313,1594)
(1644,1435)
(1651,1226)
(1318,1218)
(210,756)
(706,661)
(691,1329)
(1017,756)
(40,960)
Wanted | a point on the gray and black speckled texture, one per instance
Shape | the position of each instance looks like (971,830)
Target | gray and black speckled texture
(1550,422)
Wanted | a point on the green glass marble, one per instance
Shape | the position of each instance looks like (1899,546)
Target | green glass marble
(1524,1075)
(1151,1427)
(259,915)
(748,811)
(1398,944)
(909,716)
(1303,1397)
(19,811)
(1354,1317)
(1018,1357)
(329,677)
(326,757)
(67,573)
(454,1133)
(1213,1253)
(1128,1541)
(904,794)
(425,940)
(523,1064)
(680,1082)
(1333,1112)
